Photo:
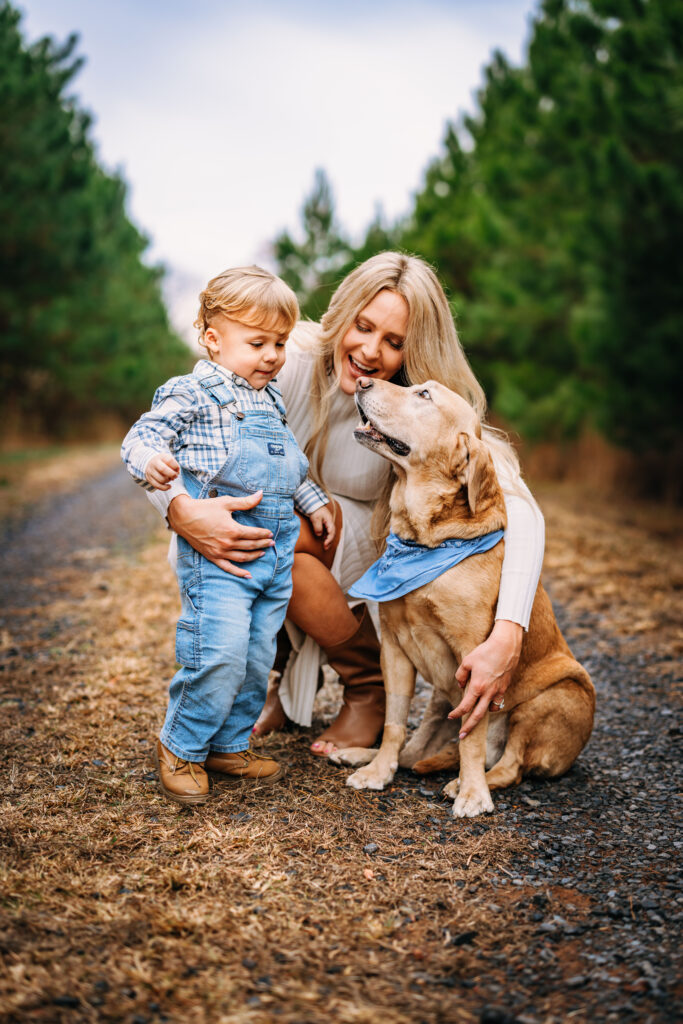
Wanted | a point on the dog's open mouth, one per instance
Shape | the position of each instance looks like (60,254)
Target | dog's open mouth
(368,433)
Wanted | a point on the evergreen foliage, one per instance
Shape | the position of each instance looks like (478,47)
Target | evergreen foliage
(83,328)
(313,266)
(553,216)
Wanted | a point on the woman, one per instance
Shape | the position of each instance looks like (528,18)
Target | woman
(388,319)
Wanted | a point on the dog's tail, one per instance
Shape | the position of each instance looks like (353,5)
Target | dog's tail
(448,757)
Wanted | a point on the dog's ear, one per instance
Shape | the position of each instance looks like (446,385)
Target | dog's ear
(470,467)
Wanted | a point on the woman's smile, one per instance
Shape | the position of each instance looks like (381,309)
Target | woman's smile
(355,365)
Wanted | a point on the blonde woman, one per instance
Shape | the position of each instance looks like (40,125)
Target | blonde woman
(388,319)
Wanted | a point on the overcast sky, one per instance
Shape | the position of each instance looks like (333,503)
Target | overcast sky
(217,113)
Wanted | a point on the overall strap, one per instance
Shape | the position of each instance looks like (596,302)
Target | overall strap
(221,393)
(227,396)
(276,397)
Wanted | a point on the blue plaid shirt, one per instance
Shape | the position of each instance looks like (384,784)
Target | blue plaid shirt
(185,421)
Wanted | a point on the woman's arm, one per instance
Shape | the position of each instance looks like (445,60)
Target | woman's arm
(490,666)
(523,559)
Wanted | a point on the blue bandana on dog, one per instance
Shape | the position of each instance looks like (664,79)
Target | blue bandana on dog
(407,565)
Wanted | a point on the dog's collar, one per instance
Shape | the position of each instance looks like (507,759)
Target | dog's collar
(407,565)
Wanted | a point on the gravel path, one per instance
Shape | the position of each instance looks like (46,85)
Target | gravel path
(604,843)
(598,886)
(71,531)
(600,879)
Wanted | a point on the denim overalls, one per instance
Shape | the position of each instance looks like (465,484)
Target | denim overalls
(225,637)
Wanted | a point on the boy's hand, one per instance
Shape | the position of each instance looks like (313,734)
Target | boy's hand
(160,470)
(322,521)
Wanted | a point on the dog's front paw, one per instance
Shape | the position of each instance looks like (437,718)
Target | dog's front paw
(372,776)
(353,756)
(470,803)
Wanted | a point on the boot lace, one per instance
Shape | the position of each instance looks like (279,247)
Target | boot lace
(180,764)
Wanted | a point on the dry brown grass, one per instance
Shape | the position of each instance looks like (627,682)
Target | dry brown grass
(119,906)
(617,564)
(262,906)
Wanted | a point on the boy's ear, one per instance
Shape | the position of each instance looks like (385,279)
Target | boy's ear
(211,340)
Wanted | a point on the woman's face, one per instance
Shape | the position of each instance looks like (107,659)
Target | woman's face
(373,344)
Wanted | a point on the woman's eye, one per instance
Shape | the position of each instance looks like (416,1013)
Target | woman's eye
(363,328)
(424,394)
(396,345)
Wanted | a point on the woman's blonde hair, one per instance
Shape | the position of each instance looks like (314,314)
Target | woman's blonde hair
(251,295)
(431,351)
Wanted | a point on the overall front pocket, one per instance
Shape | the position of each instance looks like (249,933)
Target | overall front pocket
(187,629)
(269,460)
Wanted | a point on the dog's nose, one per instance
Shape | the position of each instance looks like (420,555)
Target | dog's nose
(363,383)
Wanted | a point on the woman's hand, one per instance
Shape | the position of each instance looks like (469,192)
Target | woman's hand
(207,524)
(488,668)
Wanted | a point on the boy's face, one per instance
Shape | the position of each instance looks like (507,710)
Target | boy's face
(250,352)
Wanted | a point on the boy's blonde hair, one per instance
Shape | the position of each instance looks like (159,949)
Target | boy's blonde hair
(251,295)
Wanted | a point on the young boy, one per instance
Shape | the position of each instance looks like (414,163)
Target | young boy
(224,428)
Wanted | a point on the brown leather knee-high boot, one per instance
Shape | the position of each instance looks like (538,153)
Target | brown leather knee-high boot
(273,717)
(356,660)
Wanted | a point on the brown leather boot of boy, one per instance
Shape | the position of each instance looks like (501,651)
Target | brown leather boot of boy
(184,782)
(245,766)
(356,661)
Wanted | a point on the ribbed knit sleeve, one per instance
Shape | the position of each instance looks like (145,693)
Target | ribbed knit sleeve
(524,550)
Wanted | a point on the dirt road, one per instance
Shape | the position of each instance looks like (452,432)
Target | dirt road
(69,531)
(316,902)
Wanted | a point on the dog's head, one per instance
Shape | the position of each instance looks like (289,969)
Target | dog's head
(425,429)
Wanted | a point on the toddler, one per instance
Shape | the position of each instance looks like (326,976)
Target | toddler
(224,428)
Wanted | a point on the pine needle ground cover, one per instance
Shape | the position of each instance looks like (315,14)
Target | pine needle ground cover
(301,902)
(114,899)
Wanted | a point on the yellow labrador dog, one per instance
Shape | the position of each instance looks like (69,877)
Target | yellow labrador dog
(446,488)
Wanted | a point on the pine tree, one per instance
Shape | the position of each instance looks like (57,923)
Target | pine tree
(558,227)
(312,267)
(83,328)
